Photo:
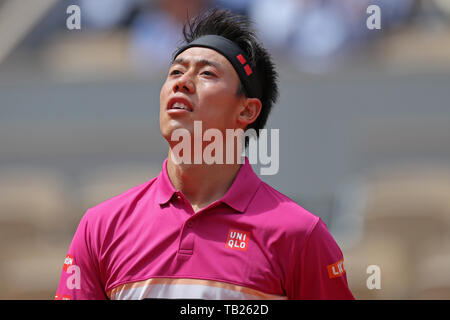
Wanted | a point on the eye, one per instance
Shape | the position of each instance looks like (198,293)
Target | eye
(175,72)
(208,73)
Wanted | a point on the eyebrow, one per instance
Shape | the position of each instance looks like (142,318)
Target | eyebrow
(201,62)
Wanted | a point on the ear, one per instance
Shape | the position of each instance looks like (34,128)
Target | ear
(249,111)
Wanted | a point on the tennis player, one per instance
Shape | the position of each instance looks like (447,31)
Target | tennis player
(206,231)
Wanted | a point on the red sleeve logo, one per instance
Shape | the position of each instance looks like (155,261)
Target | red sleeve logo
(336,269)
(68,261)
(64,297)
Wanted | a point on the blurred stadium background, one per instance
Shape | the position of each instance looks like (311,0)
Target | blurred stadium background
(364,119)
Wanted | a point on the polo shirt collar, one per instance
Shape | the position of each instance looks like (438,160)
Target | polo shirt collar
(243,188)
(165,189)
(238,195)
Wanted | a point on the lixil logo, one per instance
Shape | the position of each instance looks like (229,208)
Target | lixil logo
(336,269)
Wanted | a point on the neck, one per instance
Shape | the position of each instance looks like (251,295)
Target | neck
(201,184)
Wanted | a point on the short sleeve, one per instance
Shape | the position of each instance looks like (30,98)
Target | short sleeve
(80,278)
(317,272)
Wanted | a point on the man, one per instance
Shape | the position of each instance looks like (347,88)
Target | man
(206,231)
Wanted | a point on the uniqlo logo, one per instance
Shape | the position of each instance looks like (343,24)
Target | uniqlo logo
(68,261)
(336,269)
(237,240)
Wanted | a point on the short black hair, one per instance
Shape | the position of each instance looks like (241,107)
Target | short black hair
(238,28)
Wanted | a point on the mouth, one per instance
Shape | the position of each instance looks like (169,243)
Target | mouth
(179,105)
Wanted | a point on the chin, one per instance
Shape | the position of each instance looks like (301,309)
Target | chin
(168,129)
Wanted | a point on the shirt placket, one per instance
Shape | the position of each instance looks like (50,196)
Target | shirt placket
(187,233)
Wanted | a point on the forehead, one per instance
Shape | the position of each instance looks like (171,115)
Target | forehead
(197,55)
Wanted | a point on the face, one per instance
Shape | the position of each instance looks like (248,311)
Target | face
(201,85)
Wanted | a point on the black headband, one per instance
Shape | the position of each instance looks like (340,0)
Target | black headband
(235,55)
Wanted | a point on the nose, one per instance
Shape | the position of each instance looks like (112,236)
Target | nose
(184,84)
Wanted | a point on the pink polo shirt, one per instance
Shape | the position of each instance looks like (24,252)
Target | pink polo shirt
(253,243)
